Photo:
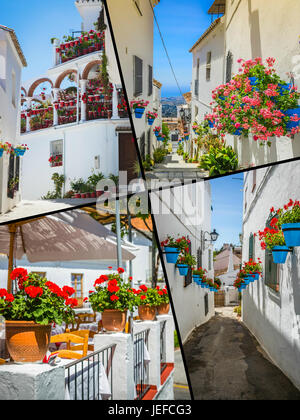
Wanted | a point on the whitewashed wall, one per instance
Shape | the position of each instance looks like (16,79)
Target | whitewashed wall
(273,318)
(82,143)
(255,29)
(9,114)
(188,301)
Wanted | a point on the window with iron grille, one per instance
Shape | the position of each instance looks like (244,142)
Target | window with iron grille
(199,257)
(251,246)
(206,308)
(142,146)
(56,153)
(188,278)
(149,142)
(150,80)
(208,66)
(271,269)
(197,78)
(13,175)
(209,259)
(138,76)
(229,61)
(77,284)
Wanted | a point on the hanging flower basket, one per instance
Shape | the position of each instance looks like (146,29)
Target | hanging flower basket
(288,219)
(171,254)
(183,269)
(279,254)
(294,118)
(139,107)
(151,116)
(291,232)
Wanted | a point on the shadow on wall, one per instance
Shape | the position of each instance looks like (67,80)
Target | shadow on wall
(254,31)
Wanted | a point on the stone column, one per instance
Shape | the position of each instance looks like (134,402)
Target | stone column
(122,365)
(56,60)
(28,101)
(115,112)
(55,99)
(83,85)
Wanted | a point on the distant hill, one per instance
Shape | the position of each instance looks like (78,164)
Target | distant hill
(169,106)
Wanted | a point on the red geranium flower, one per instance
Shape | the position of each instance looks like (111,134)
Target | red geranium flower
(9,297)
(114,297)
(34,291)
(144,288)
(120,270)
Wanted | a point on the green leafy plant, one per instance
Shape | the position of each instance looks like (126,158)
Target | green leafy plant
(219,161)
(95,178)
(147,296)
(77,185)
(37,300)
(163,296)
(186,258)
(290,213)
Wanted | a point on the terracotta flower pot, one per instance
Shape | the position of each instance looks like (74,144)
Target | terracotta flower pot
(163,309)
(114,320)
(147,312)
(27,341)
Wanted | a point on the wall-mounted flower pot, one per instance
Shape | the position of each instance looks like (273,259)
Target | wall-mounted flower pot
(159,138)
(238,132)
(1,152)
(150,121)
(290,113)
(291,232)
(139,112)
(156,133)
(284,87)
(279,254)
(171,254)
(197,280)
(256,276)
(211,124)
(253,82)
(183,269)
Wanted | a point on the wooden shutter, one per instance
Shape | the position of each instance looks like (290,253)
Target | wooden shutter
(150,80)
(229,60)
(138,76)
(188,278)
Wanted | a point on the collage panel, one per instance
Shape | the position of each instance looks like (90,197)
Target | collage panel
(64,120)
(219,102)
(231,250)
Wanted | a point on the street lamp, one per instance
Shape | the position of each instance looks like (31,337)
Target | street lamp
(213,237)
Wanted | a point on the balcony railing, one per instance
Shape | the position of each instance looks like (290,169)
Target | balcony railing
(72,48)
(141,368)
(83,377)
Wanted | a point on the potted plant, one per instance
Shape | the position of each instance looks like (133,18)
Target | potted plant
(289,221)
(113,297)
(184,262)
(163,307)
(156,131)
(20,149)
(147,300)
(5,147)
(198,275)
(30,313)
(151,117)
(139,107)
(172,247)
(273,239)
(252,269)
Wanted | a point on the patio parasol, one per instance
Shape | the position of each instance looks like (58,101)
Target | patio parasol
(68,236)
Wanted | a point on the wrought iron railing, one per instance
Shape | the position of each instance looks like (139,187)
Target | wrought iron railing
(163,363)
(91,377)
(141,364)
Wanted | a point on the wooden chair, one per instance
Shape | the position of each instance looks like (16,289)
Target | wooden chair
(81,340)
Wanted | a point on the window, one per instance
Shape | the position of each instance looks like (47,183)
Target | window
(13,89)
(245,200)
(196,111)
(206,304)
(251,247)
(13,176)
(138,76)
(142,146)
(199,257)
(208,66)
(150,80)
(3,64)
(229,61)
(197,78)
(149,142)
(77,284)
(271,269)
(40,273)
(209,259)
(188,278)
(56,153)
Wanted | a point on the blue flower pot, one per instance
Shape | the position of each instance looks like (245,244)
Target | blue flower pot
(246,280)
(156,133)
(238,132)
(279,254)
(256,276)
(1,152)
(243,286)
(253,82)
(291,232)
(289,113)
(171,254)
(210,124)
(159,138)
(196,279)
(183,269)
(284,87)
(222,98)
(139,112)
(251,278)
(150,121)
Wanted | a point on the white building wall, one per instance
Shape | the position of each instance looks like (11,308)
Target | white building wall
(273,317)
(10,64)
(82,143)
(188,301)
(255,29)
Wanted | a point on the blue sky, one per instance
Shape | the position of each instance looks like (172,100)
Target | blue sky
(227,203)
(181,24)
(35,23)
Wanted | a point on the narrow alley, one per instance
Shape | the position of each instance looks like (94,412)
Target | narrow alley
(227,363)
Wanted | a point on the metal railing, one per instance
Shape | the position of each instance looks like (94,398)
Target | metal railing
(141,364)
(163,363)
(91,377)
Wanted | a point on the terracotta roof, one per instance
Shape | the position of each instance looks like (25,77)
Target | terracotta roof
(222,260)
(139,224)
(16,44)
(217,7)
(204,35)
(187,96)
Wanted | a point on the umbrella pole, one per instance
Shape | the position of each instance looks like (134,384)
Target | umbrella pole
(12,234)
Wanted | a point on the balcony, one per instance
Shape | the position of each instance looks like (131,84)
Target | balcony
(73,47)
